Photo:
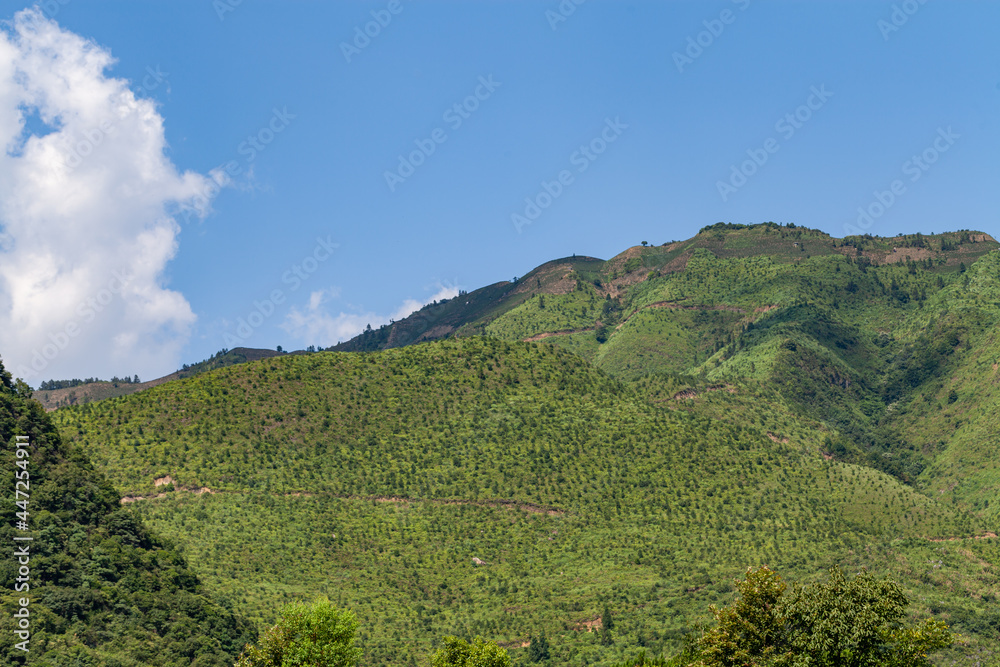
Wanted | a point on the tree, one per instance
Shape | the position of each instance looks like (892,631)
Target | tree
(607,620)
(749,630)
(538,650)
(316,635)
(480,653)
(842,622)
(854,623)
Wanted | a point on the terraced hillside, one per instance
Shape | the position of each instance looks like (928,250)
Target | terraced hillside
(482,486)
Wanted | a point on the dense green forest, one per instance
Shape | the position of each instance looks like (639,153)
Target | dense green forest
(599,440)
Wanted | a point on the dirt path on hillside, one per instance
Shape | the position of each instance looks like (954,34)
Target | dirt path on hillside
(500,502)
(984,536)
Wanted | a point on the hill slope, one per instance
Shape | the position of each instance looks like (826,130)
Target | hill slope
(377,479)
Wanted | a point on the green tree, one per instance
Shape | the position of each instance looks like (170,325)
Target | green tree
(480,653)
(749,631)
(538,650)
(855,623)
(840,623)
(316,635)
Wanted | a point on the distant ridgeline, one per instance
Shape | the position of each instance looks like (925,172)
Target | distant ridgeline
(102,589)
(622,278)
(50,385)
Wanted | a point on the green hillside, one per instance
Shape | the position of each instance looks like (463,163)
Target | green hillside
(377,478)
(102,589)
(505,309)
(627,435)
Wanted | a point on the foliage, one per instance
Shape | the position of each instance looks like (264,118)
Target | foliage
(480,653)
(842,622)
(519,454)
(538,648)
(316,635)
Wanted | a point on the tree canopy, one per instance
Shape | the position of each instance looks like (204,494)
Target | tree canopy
(316,635)
(841,622)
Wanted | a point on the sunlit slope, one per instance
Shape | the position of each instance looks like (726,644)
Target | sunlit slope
(378,477)
(762,272)
(473,419)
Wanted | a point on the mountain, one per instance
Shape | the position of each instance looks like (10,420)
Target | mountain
(626,434)
(513,310)
(101,589)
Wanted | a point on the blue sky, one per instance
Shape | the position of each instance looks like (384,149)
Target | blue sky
(660,118)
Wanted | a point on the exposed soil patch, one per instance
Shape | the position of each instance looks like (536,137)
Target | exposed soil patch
(590,626)
(132,499)
(439,331)
(900,254)
(691,393)
(554,280)
(549,334)
(776,438)
(196,490)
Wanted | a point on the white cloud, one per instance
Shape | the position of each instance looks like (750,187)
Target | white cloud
(314,325)
(85,191)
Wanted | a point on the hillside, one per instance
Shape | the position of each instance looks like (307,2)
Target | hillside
(103,589)
(625,434)
(377,478)
(569,289)
(850,329)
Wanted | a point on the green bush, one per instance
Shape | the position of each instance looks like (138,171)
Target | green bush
(318,635)
(480,653)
